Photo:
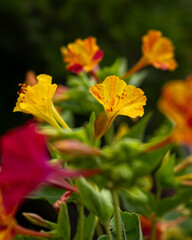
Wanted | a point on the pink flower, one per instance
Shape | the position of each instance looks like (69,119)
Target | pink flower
(24,165)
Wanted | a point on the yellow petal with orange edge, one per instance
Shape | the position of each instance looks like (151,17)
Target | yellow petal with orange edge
(118,98)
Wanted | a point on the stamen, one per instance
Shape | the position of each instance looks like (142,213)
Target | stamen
(23,88)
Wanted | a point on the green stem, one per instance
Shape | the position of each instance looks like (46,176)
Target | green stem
(153,229)
(81,222)
(117,214)
(138,66)
(60,119)
(107,231)
(154,220)
(99,230)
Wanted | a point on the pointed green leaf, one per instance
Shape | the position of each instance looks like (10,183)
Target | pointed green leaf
(165,174)
(137,131)
(137,78)
(89,227)
(137,200)
(90,128)
(63,230)
(169,203)
(97,202)
(148,161)
(50,194)
(117,68)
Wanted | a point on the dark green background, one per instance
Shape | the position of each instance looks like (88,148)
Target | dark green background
(32,32)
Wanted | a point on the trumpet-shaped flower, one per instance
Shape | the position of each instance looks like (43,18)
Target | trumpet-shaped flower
(175,103)
(118,98)
(82,55)
(37,100)
(157,51)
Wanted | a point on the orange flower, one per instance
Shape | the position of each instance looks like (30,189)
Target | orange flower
(82,55)
(161,227)
(146,226)
(176,103)
(118,98)
(157,51)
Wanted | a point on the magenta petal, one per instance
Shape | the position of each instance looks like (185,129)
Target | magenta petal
(76,68)
(98,55)
(61,183)
(24,164)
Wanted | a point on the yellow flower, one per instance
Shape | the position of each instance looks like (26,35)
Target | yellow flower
(118,98)
(82,55)
(157,51)
(37,100)
(175,103)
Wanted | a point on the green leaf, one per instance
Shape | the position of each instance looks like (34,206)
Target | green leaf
(117,68)
(98,203)
(137,200)
(103,237)
(137,131)
(130,227)
(112,228)
(148,161)
(63,230)
(137,78)
(169,203)
(89,227)
(165,174)
(50,194)
(90,128)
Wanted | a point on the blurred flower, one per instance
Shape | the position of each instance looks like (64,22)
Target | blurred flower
(157,51)
(30,78)
(75,148)
(82,55)
(176,102)
(37,100)
(118,98)
(24,167)
(146,226)
(121,131)
(161,228)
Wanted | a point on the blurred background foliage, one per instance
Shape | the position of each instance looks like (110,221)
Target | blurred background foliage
(32,32)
